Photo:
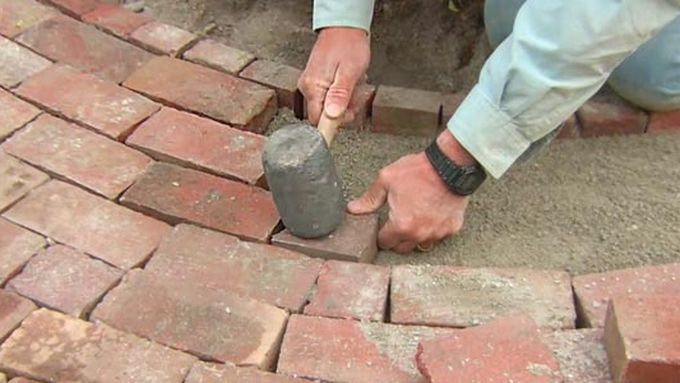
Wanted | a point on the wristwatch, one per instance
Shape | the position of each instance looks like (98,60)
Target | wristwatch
(461,180)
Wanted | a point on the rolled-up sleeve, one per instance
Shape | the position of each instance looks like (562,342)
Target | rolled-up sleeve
(559,54)
(343,13)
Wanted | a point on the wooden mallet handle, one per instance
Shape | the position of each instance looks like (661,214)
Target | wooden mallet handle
(328,127)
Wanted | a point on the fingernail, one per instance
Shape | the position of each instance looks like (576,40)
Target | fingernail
(333,111)
(353,206)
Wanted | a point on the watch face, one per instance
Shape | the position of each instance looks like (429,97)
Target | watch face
(468,182)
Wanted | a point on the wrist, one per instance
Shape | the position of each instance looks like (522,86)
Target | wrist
(343,31)
(454,150)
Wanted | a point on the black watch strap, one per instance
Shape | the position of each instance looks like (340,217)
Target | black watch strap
(461,180)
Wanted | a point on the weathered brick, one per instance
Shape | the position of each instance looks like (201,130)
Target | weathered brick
(505,350)
(177,195)
(349,290)
(54,347)
(75,8)
(607,118)
(282,78)
(642,337)
(570,129)
(202,90)
(219,56)
(16,179)
(15,113)
(208,323)
(13,310)
(581,355)
(450,104)
(354,240)
(224,373)
(66,280)
(221,262)
(338,350)
(18,63)
(88,223)
(104,166)
(17,246)
(186,139)
(82,46)
(668,122)
(364,95)
(115,19)
(594,291)
(163,38)
(17,16)
(405,111)
(462,297)
(97,104)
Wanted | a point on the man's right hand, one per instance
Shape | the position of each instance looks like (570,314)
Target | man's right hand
(338,62)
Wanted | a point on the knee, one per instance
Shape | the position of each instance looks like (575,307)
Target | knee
(499,17)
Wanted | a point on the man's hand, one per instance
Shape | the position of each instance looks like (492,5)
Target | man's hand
(338,62)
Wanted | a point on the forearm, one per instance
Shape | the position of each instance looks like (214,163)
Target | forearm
(343,13)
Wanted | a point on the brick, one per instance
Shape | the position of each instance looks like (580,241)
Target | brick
(607,118)
(338,350)
(18,16)
(221,262)
(115,19)
(88,223)
(17,246)
(208,323)
(100,105)
(349,290)
(176,194)
(66,280)
(668,122)
(213,373)
(505,350)
(102,165)
(219,56)
(450,104)
(355,240)
(13,310)
(581,355)
(594,291)
(570,129)
(85,48)
(163,38)
(642,337)
(205,91)
(405,111)
(200,143)
(18,63)
(16,179)
(15,113)
(282,78)
(364,95)
(22,380)
(53,347)
(462,297)
(75,8)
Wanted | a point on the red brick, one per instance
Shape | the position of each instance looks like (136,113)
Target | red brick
(218,56)
(594,291)
(84,47)
(570,129)
(75,7)
(66,280)
(102,165)
(208,323)
(581,355)
(17,246)
(462,297)
(349,290)
(88,223)
(355,240)
(642,337)
(281,78)
(608,118)
(364,95)
(213,373)
(15,113)
(54,347)
(405,111)
(176,195)
(97,104)
(186,139)
(18,63)
(221,262)
(668,122)
(220,96)
(163,38)
(115,19)
(337,350)
(450,104)
(16,179)
(506,350)
(13,310)
(17,16)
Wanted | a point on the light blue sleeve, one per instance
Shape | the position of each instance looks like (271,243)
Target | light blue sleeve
(560,53)
(343,13)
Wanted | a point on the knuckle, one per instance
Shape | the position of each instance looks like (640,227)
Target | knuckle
(405,226)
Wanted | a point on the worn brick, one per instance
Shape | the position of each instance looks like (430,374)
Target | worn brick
(505,350)
(17,246)
(570,128)
(13,310)
(18,63)
(450,104)
(348,290)
(202,90)
(163,38)
(16,179)
(66,280)
(219,56)
(115,19)
(98,104)
(208,323)
(177,194)
(667,122)
(88,223)
(462,297)
(282,78)
(594,291)
(405,111)
(364,95)
(338,350)
(15,113)
(75,8)
(609,117)
(354,240)
(581,355)
(102,165)
(223,373)
(222,262)
(642,337)
(186,139)
(82,46)
(53,347)
(17,16)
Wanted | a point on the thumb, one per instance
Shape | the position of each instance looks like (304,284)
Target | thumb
(371,201)
(340,93)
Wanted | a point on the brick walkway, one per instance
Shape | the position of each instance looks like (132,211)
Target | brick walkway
(138,242)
